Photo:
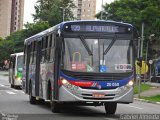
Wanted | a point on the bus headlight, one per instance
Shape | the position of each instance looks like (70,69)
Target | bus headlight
(69,85)
(130,83)
(18,78)
(64,81)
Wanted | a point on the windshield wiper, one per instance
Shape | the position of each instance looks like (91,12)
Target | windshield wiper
(110,45)
(86,45)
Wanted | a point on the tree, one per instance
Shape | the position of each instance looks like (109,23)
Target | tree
(52,11)
(5,50)
(15,42)
(34,28)
(135,12)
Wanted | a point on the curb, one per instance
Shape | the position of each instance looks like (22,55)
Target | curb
(147,101)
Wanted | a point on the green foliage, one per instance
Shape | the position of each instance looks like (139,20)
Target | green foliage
(136,12)
(152,98)
(48,13)
(52,11)
(15,42)
(144,87)
(5,50)
(34,28)
(1,39)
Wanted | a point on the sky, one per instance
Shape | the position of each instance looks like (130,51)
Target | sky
(29,8)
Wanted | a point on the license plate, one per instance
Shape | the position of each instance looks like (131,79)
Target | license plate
(98,95)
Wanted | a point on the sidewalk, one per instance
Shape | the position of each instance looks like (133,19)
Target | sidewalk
(151,93)
(4,73)
(153,84)
(155,90)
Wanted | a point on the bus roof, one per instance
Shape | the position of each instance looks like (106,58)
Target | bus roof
(60,26)
(14,54)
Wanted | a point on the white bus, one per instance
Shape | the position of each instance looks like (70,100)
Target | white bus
(81,62)
(15,69)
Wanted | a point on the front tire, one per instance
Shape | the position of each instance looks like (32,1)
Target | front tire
(55,107)
(110,107)
(12,86)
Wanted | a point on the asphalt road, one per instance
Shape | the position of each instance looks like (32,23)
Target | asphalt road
(14,103)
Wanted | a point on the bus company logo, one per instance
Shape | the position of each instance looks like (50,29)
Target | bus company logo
(95,84)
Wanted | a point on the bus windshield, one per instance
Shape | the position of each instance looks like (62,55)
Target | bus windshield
(97,55)
(20,63)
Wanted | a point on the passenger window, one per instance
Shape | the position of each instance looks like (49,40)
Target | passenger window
(34,52)
(52,48)
(47,48)
(43,49)
(31,53)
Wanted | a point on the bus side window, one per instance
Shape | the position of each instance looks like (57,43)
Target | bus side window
(43,50)
(34,53)
(46,49)
(28,53)
(14,60)
(51,48)
(24,54)
(31,53)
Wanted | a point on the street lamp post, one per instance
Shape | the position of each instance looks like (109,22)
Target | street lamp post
(63,12)
(102,10)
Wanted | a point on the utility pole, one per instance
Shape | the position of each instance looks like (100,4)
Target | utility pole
(102,11)
(142,39)
(141,55)
(146,60)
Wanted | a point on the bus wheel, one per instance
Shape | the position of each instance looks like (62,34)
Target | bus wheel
(31,98)
(110,107)
(55,107)
(12,86)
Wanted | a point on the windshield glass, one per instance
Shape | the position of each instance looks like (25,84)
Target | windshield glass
(97,55)
(20,63)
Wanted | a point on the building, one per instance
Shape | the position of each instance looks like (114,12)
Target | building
(85,9)
(17,15)
(11,16)
(5,17)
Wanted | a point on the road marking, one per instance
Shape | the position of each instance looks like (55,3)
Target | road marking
(15,90)
(1,85)
(22,92)
(108,118)
(10,92)
(135,107)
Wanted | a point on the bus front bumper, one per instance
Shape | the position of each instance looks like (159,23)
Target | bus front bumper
(122,94)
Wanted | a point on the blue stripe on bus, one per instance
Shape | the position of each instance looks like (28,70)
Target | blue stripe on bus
(102,84)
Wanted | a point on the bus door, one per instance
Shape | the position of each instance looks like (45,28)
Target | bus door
(37,71)
(26,67)
(58,44)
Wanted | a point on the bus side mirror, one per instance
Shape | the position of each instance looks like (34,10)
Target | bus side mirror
(139,62)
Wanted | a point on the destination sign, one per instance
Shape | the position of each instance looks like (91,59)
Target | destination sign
(96,28)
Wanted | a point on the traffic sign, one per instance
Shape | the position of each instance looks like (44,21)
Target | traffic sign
(150,61)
